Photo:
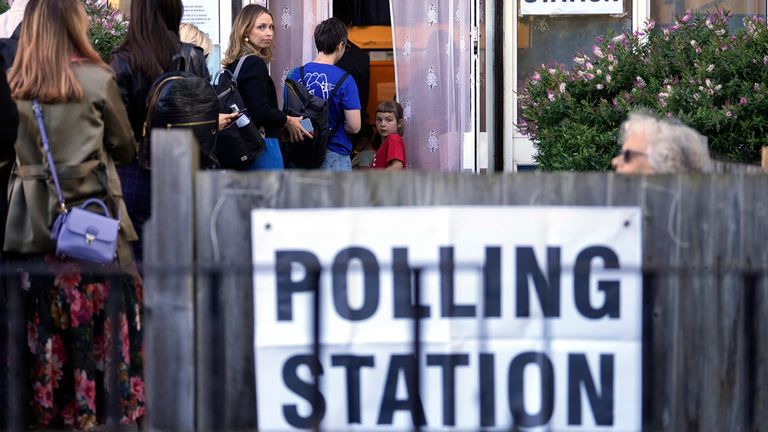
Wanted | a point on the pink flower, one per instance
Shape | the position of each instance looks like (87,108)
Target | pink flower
(765,60)
(650,25)
(81,309)
(99,293)
(536,77)
(125,339)
(687,17)
(44,395)
(597,51)
(137,388)
(551,95)
(728,114)
(85,389)
(67,281)
(743,101)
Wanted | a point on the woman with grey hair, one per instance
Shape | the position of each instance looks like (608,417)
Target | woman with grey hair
(660,146)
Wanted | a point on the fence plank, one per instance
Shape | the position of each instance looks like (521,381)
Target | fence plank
(755,234)
(169,294)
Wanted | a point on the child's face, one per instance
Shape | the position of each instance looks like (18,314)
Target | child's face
(386,123)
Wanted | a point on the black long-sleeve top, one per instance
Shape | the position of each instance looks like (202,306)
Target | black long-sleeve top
(259,94)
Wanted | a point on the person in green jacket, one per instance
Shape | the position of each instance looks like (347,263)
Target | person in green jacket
(69,323)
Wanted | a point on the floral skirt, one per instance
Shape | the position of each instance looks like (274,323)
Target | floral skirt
(75,332)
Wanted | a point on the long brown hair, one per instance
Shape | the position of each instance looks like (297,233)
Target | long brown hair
(238,47)
(54,34)
(153,35)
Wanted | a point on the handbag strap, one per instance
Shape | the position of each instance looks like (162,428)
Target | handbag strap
(47,148)
(240,66)
(49,156)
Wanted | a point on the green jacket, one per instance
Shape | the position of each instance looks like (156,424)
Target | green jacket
(86,140)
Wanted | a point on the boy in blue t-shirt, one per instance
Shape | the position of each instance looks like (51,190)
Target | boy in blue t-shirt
(320,77)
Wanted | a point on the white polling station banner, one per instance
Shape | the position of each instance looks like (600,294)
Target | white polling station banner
(571,7)
(535,320)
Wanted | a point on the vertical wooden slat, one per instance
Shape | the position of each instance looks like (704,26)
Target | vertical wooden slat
(169,298)
(755,234)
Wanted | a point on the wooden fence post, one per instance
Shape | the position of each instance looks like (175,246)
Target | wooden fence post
(169,284)
(765,158)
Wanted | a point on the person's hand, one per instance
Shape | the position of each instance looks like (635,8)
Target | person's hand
(226,119)
(296,131)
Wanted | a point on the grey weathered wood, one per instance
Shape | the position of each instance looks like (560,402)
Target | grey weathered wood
(168,288)
(707,339)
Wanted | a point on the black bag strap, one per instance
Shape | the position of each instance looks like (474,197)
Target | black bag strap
(333,93)
(337,85)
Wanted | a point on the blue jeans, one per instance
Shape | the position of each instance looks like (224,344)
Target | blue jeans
(336,162)
(271,159)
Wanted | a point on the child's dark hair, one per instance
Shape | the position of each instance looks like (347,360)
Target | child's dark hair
(329,34)
(395,108)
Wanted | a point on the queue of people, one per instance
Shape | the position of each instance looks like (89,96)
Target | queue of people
(94,116)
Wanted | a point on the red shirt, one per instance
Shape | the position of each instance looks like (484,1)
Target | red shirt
(393,148)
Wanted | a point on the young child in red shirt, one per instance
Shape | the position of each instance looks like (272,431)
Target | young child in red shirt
(389,124)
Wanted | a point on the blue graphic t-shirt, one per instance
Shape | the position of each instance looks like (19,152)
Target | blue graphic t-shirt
(320,79)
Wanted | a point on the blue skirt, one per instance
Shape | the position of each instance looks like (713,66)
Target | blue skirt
(271,159)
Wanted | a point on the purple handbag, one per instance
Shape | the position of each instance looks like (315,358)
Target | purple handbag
(80,234)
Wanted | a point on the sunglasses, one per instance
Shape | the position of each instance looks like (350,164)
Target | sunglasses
(628,154)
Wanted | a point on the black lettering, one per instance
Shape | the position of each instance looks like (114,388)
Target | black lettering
(287,287)
(449,363)
(547,288)
(448,307)
(370,283)
(401,273)
(612,288)
(578,374)
(412,403)
(517,389)
(487,380)
(352,364)
(492,282)
(307,391)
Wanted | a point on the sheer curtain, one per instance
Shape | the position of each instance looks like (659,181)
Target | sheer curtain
(295,22)
(433,42)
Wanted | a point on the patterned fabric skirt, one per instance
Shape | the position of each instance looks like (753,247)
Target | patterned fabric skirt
(84,343)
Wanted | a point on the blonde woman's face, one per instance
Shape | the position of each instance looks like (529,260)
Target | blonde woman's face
(262,32)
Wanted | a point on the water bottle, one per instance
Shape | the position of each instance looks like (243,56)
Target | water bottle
(242,120)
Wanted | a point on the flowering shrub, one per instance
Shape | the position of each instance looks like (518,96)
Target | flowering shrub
(106,29)
(696,70)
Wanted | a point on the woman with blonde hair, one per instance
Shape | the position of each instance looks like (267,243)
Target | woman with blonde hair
(69,327)
(250,46)
(190,34)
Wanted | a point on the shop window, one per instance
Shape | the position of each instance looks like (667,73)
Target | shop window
(665,11)
(557,39)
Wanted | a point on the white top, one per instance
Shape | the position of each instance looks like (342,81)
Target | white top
(11,19)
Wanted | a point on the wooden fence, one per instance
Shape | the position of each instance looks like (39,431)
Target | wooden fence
(705,268)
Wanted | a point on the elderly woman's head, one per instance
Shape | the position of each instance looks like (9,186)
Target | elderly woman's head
(660,146)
